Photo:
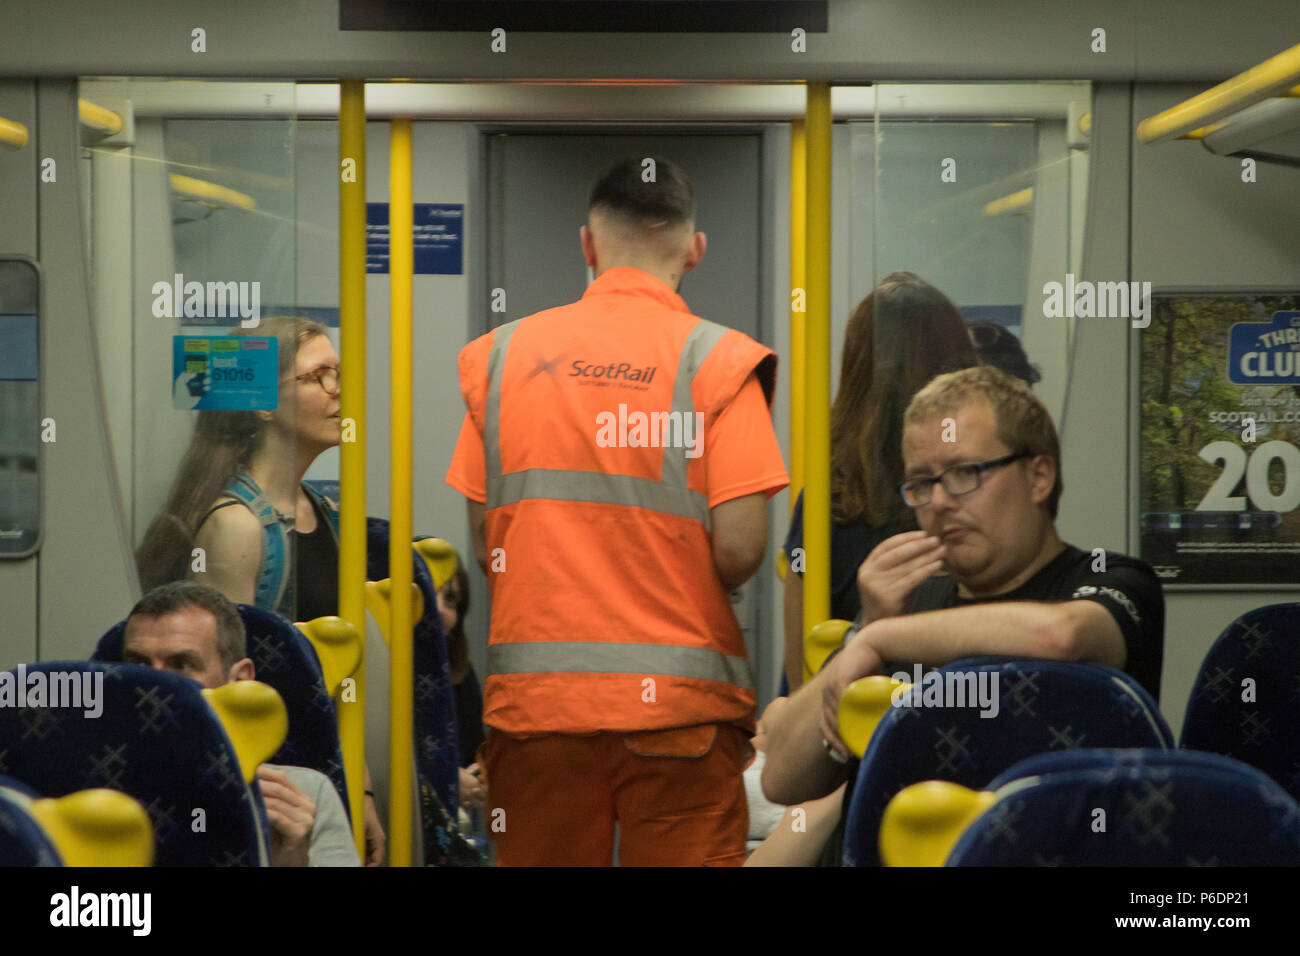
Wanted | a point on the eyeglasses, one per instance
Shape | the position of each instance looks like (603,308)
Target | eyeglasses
(327,377)
(957,480)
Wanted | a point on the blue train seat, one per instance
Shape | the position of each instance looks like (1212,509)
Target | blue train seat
(1254,723)
(1042,706)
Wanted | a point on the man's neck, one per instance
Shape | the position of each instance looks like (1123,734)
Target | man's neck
(664,273)
(1048,551)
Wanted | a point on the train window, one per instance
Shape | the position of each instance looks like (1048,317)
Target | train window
(978,189)
(20,418)
(196,250)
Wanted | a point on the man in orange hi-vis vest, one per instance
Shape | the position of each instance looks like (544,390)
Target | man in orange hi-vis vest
(617,456)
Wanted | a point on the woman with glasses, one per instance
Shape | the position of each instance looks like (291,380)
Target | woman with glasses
(904,333)
(267,538)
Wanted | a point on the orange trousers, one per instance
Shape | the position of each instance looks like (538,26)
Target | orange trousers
(677,795)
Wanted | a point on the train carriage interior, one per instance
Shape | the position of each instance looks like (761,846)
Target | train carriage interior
(1107,194)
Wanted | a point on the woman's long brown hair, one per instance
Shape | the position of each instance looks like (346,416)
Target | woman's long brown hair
(223,445)
(904,333)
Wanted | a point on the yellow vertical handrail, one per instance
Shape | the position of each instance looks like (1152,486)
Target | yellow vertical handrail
(352,454)
(401,704)
(798,276)
(817,362)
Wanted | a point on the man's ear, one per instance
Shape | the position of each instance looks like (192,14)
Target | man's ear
(588,244)
(1042,477)
(699,244)
(241,670)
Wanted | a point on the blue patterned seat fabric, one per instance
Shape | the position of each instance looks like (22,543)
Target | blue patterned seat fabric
(283,658)
(1161,808)
(156,740)
(437,740)
(23,842)
(1042,706)
(1264,646)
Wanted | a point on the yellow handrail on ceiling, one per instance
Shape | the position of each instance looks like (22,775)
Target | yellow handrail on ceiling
(204,191)
(12,134)
(1276,76)
(98,118)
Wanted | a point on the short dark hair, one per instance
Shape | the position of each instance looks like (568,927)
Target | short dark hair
(651,208)
(232,640)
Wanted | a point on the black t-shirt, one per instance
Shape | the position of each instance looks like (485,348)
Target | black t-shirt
(1128,589)
(316,559)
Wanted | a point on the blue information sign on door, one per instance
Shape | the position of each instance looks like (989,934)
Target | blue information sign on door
(439,238)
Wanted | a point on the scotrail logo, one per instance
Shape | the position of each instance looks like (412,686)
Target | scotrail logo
(651,430)
(947,689)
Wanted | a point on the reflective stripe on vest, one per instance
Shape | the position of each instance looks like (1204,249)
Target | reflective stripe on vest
(595,657)
(669,495)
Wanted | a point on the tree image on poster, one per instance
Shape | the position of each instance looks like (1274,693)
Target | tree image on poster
(1220,438)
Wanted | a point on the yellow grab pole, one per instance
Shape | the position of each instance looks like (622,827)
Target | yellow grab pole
(817,360)
(352,451)
(798,276)
(401,656)
(1274,77)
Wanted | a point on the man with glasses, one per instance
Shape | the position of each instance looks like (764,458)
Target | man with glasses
(982,471)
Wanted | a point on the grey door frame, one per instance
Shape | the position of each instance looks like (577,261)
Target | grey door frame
(768,639)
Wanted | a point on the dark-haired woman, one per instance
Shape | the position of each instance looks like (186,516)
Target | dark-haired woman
(904,333)
(453,604)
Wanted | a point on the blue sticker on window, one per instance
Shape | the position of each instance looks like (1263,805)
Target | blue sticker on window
(230,372)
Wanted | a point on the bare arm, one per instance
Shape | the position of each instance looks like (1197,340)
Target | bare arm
(1065,631)
(793,615)
(739,538)
(231,539)
(798,768)
(478,530)
(786,846)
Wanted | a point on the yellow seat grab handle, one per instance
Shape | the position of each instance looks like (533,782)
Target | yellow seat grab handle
(254,718)
(923,822)
(98,827)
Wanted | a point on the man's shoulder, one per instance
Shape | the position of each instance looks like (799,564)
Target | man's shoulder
(1099,561)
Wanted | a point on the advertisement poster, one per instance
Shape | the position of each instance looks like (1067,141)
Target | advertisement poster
(1219,447)
(230,372)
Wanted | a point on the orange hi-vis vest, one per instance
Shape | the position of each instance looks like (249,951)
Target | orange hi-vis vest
(607,611)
